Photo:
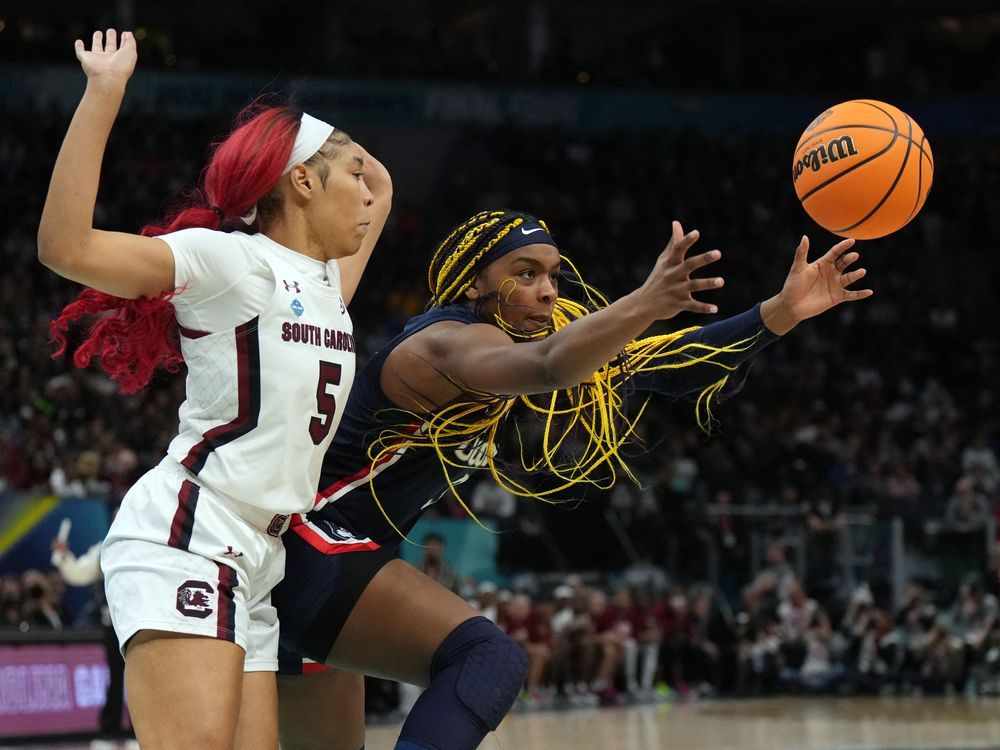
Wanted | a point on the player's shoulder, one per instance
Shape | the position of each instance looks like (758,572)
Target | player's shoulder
(201,239)
(453,335)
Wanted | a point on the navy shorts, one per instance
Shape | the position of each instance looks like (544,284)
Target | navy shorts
(317,595)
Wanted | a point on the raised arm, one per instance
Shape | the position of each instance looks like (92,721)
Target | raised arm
(125,265)
(483,358)
(380,184)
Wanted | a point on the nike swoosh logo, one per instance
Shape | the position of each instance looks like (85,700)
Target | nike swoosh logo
(530,231)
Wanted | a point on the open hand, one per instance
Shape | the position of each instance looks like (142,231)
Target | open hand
(814,288)
(670,285)
(106,59)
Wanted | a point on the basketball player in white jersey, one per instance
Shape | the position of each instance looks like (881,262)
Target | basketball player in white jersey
(264,331)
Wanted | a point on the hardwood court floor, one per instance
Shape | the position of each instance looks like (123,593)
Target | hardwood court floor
(768,724)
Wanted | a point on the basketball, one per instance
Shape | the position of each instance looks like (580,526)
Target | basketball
(862,169)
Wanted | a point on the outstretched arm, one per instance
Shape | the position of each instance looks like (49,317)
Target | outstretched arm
(810,289)
(483,358)
(746,327)
(380,184)
(124,265)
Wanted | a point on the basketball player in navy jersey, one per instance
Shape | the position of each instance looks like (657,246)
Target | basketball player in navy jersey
(347,601)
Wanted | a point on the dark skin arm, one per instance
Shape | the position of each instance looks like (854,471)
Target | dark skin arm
(419,374)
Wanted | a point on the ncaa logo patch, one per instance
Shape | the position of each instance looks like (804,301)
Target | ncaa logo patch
(192,599)
(297,308)
(343,307)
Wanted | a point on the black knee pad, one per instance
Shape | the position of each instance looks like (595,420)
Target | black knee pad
(491,669)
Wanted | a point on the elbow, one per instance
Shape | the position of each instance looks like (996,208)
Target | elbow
(46,249)
(385,195)
(555,377)
(553,370)
(51,252)
(57,253)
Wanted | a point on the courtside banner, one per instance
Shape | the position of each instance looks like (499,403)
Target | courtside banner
(51,688)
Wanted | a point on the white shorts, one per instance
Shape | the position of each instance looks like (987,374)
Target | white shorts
(178,558)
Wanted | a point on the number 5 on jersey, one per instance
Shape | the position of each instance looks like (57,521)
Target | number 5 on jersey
(326,403)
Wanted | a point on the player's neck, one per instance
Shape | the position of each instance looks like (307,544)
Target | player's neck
(292,231)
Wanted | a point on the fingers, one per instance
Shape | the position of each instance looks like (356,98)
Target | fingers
(696,262)
(849,278)
(680,243)
(693,305)
(106,41)
(79,47)
(691,286)
(802,252)
(700,285)
(846,260)
(837,250)
(857,294)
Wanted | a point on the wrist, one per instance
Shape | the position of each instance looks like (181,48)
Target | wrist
(635,308)
(106,87)
(778,318)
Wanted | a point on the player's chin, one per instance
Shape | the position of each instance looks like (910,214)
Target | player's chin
(354,247)
(536,325)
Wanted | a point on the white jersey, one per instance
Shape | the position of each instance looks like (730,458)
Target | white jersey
(269,348)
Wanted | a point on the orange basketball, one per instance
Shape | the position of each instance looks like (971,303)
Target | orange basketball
(863,169)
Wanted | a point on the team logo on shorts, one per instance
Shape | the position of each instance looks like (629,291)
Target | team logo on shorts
(297,308)
(192,599)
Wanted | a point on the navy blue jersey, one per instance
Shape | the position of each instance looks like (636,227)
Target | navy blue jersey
(406,482)
(347,517)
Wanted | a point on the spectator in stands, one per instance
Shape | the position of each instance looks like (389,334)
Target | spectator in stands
(85,570)
(979,461)
(432,563)
(973,617)
(609,629)
(532,632)
(642,653)
(487,601)
(571,653)
(11,599)
(42,607)
(968,508)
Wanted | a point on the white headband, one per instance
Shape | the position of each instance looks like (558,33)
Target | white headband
(311,137)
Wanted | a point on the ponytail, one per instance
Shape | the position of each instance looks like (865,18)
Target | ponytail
(135,337)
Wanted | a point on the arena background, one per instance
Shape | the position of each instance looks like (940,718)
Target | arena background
(860,459)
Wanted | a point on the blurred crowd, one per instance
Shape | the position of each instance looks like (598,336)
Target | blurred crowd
(639,637)
(941,47)
(886,409)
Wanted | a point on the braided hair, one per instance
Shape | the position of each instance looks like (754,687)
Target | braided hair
(596,408)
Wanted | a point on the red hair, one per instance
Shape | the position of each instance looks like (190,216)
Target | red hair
(135,337)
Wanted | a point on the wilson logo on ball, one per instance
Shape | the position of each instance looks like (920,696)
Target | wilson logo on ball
(825,153)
